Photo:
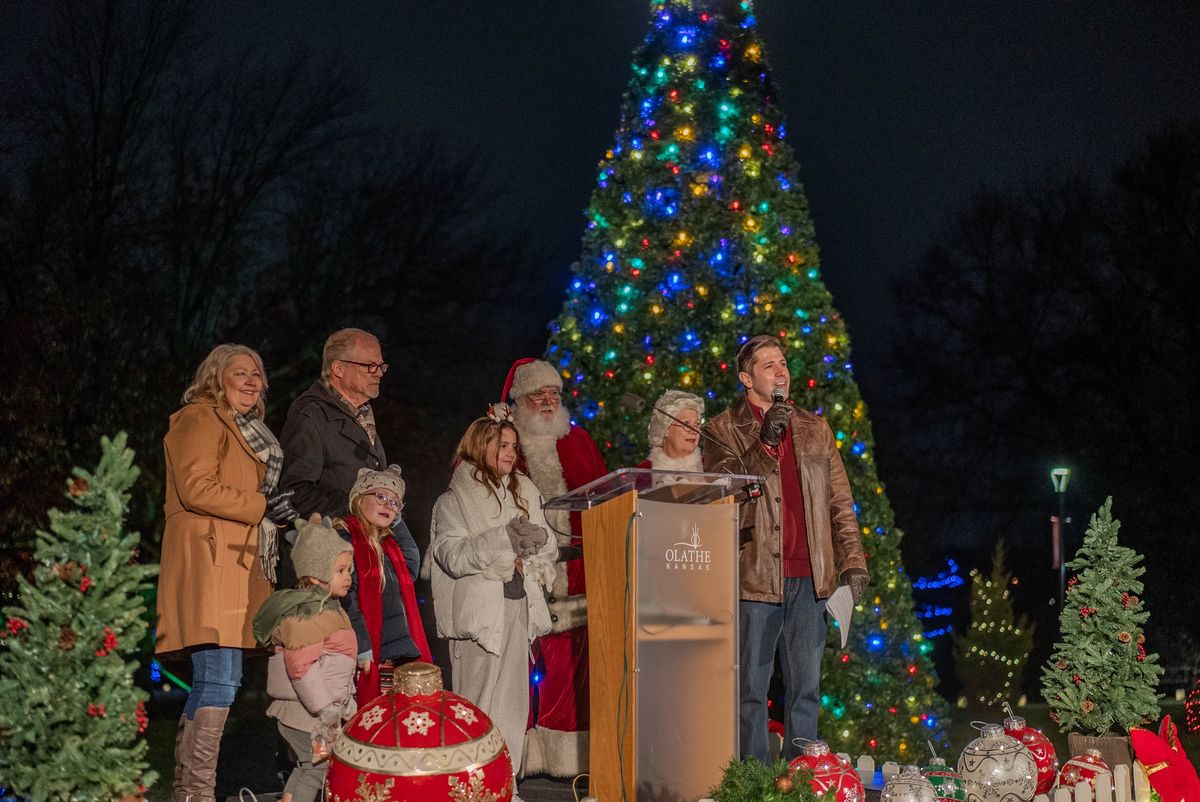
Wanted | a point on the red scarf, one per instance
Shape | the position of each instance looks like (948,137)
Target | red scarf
(370,602)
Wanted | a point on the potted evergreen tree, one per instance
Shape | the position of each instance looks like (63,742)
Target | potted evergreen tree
(1101,681)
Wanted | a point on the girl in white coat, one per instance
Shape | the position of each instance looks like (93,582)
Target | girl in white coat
(491,551)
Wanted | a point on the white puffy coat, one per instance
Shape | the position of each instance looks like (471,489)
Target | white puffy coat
(473,558)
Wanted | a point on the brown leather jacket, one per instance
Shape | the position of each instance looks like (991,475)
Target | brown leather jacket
(833,541)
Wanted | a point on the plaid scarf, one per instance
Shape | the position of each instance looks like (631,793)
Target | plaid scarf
(364,414)
(266,449)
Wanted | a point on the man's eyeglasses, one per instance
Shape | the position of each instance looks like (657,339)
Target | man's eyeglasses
(372,367)
(387,501)
(545,395)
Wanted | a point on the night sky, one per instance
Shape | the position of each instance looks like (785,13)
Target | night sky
(897,112)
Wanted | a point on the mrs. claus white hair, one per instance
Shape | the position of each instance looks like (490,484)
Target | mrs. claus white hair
(672,402)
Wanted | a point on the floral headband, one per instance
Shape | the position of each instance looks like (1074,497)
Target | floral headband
(499,412)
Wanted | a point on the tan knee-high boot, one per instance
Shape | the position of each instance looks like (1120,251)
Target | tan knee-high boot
(199,762)
(182,745)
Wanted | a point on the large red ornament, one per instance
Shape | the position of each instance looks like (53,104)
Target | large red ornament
(1040,747)
(1086,768)
(419,741)
(829,771)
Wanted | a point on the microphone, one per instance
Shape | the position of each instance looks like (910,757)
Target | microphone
(637,404)
(777,396)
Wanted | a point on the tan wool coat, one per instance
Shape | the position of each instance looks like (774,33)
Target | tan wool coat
(210,585)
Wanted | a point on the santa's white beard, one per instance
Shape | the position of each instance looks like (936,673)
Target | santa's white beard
(531,424)
(539,445)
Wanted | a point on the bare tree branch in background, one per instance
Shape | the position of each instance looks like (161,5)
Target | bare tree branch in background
(1061,324)
(160,198)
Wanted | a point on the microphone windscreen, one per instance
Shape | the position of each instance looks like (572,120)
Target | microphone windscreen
(777,395)
(634,402)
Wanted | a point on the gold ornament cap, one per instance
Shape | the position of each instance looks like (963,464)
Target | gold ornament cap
(417,679)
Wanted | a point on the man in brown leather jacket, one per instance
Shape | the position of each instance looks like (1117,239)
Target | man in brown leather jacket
(799,541)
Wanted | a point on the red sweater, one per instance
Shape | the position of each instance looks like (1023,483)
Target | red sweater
(791,507)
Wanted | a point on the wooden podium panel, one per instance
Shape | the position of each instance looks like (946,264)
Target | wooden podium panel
(662,638)
(611,647)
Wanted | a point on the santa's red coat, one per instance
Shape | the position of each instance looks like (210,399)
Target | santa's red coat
(561,698)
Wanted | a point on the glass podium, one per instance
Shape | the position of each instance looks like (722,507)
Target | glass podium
(661,551)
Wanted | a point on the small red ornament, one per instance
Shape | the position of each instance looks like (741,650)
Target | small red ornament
(143,720)
(96,711)
(829,771)
(85,585)
(1086,768)
(1076,679)
(15,625)
(1141,653)
(1084,612)
(1072,582)
(1125,600)
(1040,747)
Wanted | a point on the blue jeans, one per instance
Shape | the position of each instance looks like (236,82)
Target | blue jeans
(216,677)
(797,629)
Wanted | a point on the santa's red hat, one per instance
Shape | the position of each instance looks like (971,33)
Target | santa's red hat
(528,375)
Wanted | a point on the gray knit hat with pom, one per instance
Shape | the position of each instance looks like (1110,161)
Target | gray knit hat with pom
(317,545)
(387,479)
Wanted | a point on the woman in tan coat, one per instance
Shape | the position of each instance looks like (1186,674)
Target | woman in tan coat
(218,549)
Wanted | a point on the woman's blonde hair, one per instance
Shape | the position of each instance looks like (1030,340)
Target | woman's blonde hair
(473,448)
(207,384)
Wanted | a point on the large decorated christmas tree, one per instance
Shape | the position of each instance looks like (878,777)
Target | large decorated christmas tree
(699,236)
(71,718)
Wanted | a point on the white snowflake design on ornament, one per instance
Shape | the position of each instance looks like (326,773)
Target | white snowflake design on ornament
(463,713)
(418,721)
(371,717)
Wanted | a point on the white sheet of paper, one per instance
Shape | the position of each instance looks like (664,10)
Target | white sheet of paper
(841,606)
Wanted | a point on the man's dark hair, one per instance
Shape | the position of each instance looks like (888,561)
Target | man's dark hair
(747,354)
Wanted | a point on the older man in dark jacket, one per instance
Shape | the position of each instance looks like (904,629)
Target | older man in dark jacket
(330,432)
(799,542)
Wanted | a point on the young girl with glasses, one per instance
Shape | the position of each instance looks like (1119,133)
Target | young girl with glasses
(382,602)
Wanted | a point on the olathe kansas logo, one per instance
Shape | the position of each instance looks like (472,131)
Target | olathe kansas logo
(689,555)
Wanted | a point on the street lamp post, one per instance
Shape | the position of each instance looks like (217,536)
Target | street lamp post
(1059,477)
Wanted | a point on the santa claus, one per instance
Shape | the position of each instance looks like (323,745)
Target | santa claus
(559,457)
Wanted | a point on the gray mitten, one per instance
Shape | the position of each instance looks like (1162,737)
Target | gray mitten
(527,537)
(325,733)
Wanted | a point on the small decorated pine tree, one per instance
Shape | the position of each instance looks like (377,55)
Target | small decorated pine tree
(991,657)
(749,780)
(1100,679)
(70,716)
